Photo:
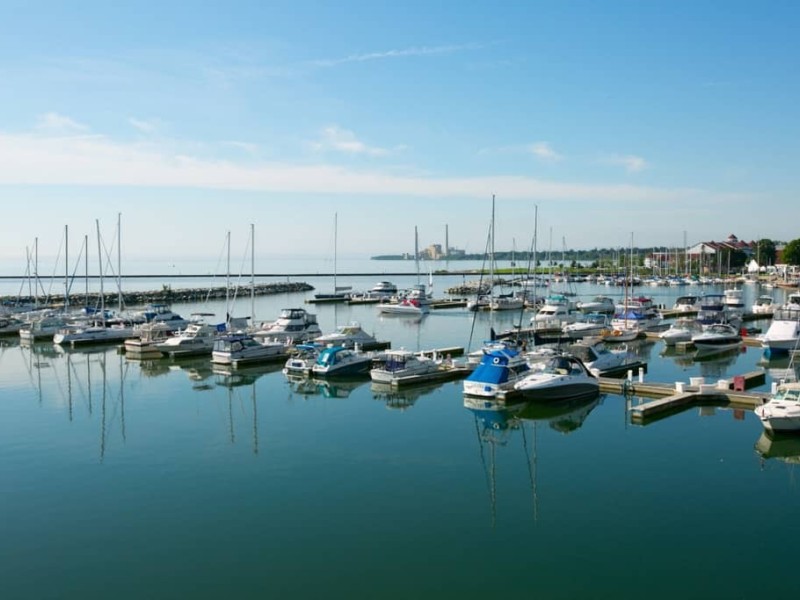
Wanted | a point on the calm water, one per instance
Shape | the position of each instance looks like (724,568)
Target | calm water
(154,479)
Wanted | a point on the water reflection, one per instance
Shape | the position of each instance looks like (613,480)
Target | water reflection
(785,448)
(229,376)
(718,364)
(400,399)
(328,388)
(564,417)
(780,367)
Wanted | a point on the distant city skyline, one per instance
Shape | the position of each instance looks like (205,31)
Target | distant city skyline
(665,120)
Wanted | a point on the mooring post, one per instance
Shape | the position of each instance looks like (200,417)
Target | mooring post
(641,374)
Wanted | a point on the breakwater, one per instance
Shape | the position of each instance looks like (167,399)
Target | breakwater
(167,295)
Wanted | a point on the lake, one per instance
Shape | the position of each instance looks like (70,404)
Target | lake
(166,479)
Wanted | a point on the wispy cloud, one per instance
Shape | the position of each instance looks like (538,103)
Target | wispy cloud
(337,139)
(35,159)
(631,163)
(396,53)
(53,122)
(544,151)
(146,126)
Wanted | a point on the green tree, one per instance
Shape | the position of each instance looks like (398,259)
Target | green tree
(791,253)
(765,252)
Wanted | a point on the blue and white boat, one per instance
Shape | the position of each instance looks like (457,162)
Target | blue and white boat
(338,360)
(500,368)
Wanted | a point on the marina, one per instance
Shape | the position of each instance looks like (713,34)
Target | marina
(280,441)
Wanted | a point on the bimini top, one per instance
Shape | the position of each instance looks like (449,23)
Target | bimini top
(328,355)
(495,364)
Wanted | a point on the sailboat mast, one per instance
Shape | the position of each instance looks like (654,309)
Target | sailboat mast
(119,262)
(36,272)
(252,275)
(416,251)
(228,280)
(491,263)
(86,269)
(336,250)
(100,263)
(66,267)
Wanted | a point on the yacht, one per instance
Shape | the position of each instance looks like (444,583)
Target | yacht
(415,303)
(687,304)
(554,313)
(147,337)
(293,324)
(598,304)
(681,330)
(402,364)
(238,348)
(783,334)
(782,411)
(733,299)
(718,337)
(98,333)
(591,324)
(350,336)
(507,302)
(764,305)
(597,358)
(197,338)
(560,378)
(500,368)
(383,289)
(161,313)
(338,360)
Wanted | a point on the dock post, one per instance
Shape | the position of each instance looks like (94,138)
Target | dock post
(774,389)
(641,375)
(630,374)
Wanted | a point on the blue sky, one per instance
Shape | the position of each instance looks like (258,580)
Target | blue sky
(191,119)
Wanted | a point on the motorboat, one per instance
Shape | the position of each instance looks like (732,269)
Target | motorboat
(560,378)
(350,336)
(733,299)
(44,326)
(293,324)
(383,289)
(415,303)
(302,360)
(161,313)
(237,348)
(500,368)
(589,325)
(10,325)
(403,364)
(146,338)
(681,330)
(764,305)
(507,302)
(598,304)
(597,358)
(783,334)
(781,413)
(554,313)
(687,304)
(717,338)
(88,333)
(197,338)
(638,317)
(338,360)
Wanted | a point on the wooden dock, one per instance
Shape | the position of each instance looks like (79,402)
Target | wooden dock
(670,399)
(444,374)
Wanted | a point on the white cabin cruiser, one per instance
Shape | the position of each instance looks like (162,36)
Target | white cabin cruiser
(764,305)
(717,338)
(403,364)
(681,330)
(687,304)
(238,348)
(197,338)
(560,378)
(783,334)
(590,324)
(350,336)
(598,304)
(782,411)
(293,324)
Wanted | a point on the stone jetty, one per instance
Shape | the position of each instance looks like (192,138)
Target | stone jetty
(167,295)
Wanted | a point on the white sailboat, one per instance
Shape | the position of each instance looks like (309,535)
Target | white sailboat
(339,294)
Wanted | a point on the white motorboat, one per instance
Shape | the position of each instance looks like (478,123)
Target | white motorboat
(415,303)
(237,349)
(403,364)
(687,304)
(591,324)
(597,358)
(161,313)
(10,325)
(733,299)
(507,302)
(554,313)
(293,324)
(147,336)
(383,289)
(45,326)
(681,330)
(598,304)
(303,359)
(74,334)
(560,378)
(500,368)
(338,360)
(197,338)
(718,337)
(764,305)
(350,336)
(782,411)
(783,334)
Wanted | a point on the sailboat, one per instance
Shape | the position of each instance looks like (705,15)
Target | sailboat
(339,294)
(416,301)
(621,330)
